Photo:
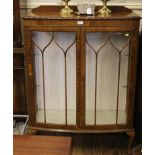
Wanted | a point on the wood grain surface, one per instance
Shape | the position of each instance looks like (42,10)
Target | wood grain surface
(41,145)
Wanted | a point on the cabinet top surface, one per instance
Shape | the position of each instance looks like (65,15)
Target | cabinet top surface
(41,145)
(53,12)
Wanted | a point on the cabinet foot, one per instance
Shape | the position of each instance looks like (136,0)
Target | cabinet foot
(131,135)
(32,131)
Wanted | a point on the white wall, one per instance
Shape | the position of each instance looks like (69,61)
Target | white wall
(136,5)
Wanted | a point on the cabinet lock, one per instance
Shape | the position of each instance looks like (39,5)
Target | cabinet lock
(80,22)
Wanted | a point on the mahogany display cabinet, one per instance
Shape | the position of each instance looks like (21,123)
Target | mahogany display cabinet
(81,70)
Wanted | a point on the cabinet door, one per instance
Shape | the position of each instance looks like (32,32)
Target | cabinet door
(54,70)
(106,62)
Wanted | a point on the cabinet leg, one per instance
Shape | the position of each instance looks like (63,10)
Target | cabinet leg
(131,135)
(31,131)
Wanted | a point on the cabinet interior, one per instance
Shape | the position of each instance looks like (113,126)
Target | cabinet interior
(106,77)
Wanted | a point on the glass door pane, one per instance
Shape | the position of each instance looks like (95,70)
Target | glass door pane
(55,67)
(106,77)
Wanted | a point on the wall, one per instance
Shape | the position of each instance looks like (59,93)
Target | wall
(136,5)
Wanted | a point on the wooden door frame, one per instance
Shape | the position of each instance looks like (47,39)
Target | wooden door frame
(30,75)
(132,66)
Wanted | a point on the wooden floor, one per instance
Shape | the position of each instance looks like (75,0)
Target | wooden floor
(101,144)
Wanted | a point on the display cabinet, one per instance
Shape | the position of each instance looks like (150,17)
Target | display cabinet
(81,70)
